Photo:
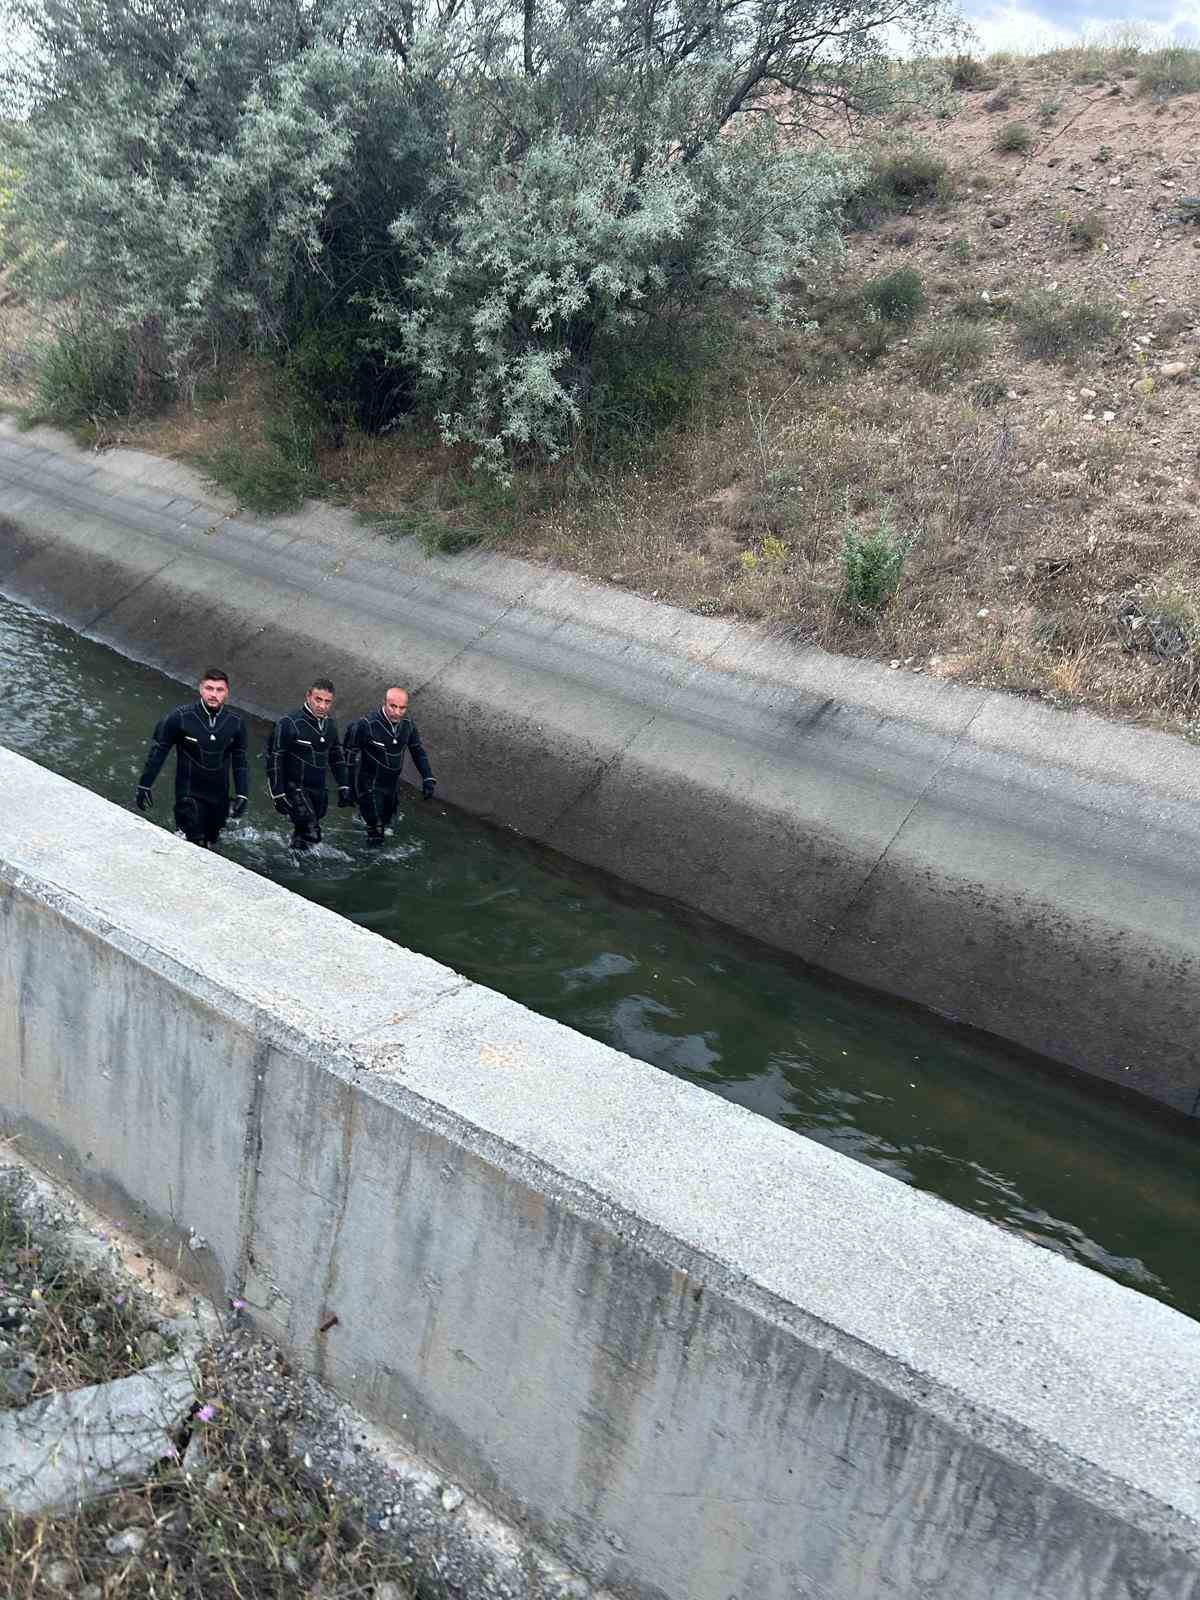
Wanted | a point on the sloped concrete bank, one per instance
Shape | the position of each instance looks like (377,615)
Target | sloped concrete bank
(690,1353)
(1029,872)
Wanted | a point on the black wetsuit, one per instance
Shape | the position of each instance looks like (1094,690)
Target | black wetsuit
(208,746)
(375,750)
(301,751)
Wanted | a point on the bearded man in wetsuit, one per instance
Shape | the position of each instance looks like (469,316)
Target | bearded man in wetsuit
(209,741)
(375,749)
(303,749)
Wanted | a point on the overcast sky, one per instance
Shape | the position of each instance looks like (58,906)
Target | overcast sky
(1030,25)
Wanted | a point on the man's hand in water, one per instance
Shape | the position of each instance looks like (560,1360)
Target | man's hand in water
(238,808)
(427,789)
(144,799)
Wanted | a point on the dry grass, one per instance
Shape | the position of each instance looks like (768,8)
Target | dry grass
(238,1524)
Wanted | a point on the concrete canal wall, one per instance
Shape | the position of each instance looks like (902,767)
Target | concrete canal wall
(696,1355)
(1033,873)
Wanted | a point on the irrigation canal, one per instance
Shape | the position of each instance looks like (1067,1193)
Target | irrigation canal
(1044,1154)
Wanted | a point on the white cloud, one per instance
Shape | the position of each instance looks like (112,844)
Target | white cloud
(1027,29)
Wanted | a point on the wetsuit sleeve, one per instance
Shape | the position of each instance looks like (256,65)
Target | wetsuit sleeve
(417,751)
(241,766)
(277,745)
(166,736)
(337,759)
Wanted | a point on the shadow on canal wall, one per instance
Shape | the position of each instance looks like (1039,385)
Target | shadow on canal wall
(694,1356)
(1032,873)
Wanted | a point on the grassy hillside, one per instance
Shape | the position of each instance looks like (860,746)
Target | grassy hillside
(994,403)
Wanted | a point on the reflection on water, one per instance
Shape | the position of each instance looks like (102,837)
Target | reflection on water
(1062,1165)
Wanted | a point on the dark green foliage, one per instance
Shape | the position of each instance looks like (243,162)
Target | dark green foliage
(646,386)
(969,73)
(88,375)
(898,297)
(268,478)
(1175,70)
(872,565)
(897,181)
(1051,329)
(1015,138)
(948,351)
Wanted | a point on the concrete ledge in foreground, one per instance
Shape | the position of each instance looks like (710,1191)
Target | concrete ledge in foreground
(1032,873)
(695,1355)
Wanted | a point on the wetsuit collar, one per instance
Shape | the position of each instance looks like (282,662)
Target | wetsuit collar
(313,717)
(213,716)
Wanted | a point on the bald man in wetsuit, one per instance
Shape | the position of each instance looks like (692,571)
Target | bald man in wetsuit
(209,741)
(376,746)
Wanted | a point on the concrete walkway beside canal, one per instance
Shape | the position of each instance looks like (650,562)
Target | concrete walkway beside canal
(1032,872)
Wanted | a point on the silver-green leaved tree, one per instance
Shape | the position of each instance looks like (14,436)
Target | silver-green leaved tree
(496,197)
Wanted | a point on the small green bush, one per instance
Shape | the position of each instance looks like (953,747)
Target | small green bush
(948,351)
(1014,138)
(86,375)
(897,180)
(1050,329)
(1175,70)
(872,565)
(969,73)
(1086,232)
(988,392)
(1049,109)
(898,297)
(261,477)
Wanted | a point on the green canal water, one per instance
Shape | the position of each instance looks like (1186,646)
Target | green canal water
(1047,1155)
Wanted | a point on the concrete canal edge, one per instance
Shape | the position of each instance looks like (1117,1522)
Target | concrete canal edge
(1032,873)
(691,1354)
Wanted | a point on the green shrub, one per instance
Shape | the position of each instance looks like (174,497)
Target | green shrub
(897,180)
(898,297)
(1086,232)
(988,392)
(1050,329)
(872,565)
(643,388)
(1014,138)
(948,351)
(1175,70)
(86,375)
(263,478)
(1049,109)
(968,73)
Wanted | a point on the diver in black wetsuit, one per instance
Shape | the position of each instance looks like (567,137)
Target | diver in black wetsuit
(209,741)
(375,748)
(304,747)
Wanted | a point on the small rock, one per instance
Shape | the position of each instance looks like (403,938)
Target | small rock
(58,1574)
(1174,369)
(1109,416)
(983,612)
(894,665)
(1087,394)
(195,1457)
(999,219)
(452,1498)
(127,1543)
(151,1345)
